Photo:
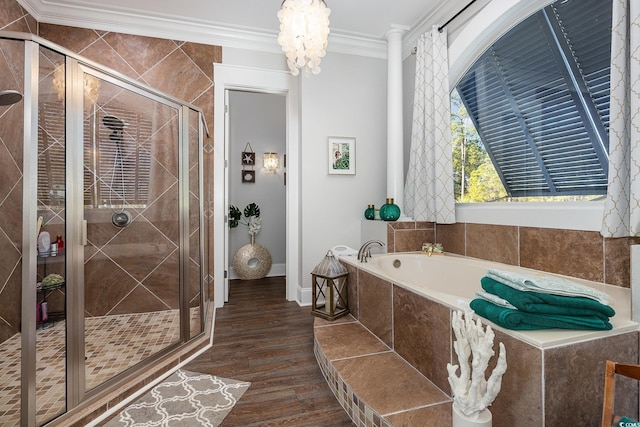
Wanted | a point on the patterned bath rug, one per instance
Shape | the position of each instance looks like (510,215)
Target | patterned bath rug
(184,399)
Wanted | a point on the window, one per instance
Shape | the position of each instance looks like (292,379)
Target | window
(539,100)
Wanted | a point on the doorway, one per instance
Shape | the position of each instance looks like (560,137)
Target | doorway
(257,125)
(227,78)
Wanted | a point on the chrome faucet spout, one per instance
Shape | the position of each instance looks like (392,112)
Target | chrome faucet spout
(365,250)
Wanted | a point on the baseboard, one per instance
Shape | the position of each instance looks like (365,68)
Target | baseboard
(305,296)
(276,270)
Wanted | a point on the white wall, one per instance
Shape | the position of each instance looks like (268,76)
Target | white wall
(348,98)
(259,119)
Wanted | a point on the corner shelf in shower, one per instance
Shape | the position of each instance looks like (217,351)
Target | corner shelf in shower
(44,292)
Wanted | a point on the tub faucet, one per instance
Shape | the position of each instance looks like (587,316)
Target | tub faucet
(365,250)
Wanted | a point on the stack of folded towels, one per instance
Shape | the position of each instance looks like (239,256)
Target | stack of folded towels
(524,302)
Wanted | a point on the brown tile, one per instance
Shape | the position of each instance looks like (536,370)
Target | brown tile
(164,281)
(10,11)
(203,55)
(402,225)
(73,38)
(427,352)
(352,289)
(319,322)
(431,416)
(11,313)
(412,240)
(11,137)
(387,383)
(425,225)
(375,306)
(9,171)
(347,340)
(23,25)
(163,214)
(139,248)
(102,53)
(11,221)
(452,237)
(617,260)
(178,76)
(139,300)
(574,378)
(568,252)
(140,52)
(105,285)
(520,401)
(492,242)
(391,242)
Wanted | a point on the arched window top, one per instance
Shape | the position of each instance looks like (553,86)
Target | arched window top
(539,99)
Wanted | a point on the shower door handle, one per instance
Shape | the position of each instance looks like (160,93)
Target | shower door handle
(84,232)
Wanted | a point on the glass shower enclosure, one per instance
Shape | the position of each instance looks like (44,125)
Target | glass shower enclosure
(100,228)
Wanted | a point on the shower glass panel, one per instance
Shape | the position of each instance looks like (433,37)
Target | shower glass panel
(50,310)
(82,144)
(195,226)
(131,205)
(11,176)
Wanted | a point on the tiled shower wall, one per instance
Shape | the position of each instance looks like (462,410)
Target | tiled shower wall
(12,18)
(583,254)
(181,69)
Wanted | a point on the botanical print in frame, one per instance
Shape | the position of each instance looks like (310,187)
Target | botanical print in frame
(342,155)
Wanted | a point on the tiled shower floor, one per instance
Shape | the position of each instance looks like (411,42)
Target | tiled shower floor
(113,344)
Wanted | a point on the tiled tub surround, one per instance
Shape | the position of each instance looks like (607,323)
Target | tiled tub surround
(553,377)
(583,254)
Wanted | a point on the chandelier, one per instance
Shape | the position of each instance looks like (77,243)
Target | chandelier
(304,29)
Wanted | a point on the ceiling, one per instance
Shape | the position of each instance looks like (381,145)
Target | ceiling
(355,24)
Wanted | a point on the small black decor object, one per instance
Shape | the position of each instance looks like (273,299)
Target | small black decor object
(248,164)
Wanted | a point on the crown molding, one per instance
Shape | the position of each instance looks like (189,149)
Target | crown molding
(193,30)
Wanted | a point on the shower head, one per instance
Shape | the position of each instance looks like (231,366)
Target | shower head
(9,97)
(113,122)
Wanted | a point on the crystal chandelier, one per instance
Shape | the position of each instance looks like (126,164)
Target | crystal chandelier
(304,29)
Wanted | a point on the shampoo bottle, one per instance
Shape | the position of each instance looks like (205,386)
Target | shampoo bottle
(44,243)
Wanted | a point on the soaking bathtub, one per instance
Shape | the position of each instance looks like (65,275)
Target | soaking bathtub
(452,280)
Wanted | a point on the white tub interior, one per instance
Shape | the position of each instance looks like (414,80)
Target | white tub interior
(453,280)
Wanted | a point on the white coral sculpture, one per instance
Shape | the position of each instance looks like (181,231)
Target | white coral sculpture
(472,393)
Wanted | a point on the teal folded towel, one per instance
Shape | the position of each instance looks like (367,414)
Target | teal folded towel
(541,303)
(547,284)
(521,320)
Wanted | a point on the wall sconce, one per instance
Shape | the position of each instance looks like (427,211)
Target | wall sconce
(270,162)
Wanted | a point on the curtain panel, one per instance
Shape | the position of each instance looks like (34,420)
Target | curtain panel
(622,206)
(428,188)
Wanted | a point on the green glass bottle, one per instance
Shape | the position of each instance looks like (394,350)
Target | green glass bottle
(389,211)
(370,212)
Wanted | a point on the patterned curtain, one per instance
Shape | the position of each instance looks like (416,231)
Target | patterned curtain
(428,190)
(622,207)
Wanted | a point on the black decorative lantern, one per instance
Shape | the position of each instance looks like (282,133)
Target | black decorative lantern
(330,300)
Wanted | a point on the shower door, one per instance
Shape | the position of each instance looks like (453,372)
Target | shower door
(114,168)
(132,200)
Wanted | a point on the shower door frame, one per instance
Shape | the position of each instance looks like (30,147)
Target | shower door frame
(75,226)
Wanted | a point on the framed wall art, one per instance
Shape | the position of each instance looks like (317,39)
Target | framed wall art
(248,177)
(341,155)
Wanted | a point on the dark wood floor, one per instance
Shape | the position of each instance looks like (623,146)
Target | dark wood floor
(261,337)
